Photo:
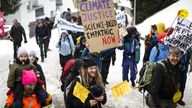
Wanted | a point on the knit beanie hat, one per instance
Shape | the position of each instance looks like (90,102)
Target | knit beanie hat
(169,31)
(160,37)
(78,64)
(32,54)
(96,90)
(21,50)
(154,27)
(28,76)
(88,62)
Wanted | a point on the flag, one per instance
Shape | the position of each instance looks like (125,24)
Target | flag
(183,13)
(121,89)
(80,92)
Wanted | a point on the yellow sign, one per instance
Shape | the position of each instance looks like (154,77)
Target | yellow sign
(177,96)
(80,92)
(121,89)
(183,13)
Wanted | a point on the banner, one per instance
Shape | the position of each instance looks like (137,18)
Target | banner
(182,35)
(121,18)
(121,89)
(183,13)
(64,24)
(100,25)
(80,92)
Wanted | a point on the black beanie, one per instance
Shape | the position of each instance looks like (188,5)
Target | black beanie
(154,27)
(77,64)
(88,62)
(96,90)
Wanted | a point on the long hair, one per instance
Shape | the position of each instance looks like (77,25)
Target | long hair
(86,78)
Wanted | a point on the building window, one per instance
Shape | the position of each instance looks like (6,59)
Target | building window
(39,12)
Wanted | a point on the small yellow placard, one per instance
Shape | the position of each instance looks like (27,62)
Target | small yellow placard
(177,96)
(121,89)
(183,13)
(80,92)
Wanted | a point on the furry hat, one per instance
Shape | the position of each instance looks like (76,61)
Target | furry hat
(20,51)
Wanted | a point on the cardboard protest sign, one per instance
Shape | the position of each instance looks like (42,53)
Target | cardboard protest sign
(183,13)
(182,35)
(80,92)
(100,25)
(64,24)
(121,89)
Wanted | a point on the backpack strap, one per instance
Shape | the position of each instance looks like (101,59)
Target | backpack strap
(163,63)
(31,102)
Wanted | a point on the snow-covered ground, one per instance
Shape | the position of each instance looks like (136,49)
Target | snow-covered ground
(52,71)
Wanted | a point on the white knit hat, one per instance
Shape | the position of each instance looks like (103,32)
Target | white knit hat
(32,54)
(64,31)
(21,50)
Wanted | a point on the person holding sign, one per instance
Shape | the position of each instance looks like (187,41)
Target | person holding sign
(164,91)
(92,80)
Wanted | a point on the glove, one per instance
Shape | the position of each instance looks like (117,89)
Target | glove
(25,41)
(17,104)
(42,95)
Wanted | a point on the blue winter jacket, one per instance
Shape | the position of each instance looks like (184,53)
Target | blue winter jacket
(131,48)
(65,45)
(163,52)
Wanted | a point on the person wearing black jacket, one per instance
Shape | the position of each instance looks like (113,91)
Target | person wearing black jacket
(16,36)
(34,59)
(50,25)
(80,47)
(165,81)
(92,80)
(42,35)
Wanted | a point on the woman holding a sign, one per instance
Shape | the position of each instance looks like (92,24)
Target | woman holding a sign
(90,92)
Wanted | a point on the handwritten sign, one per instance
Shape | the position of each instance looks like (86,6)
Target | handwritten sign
(100,25)
(121,89)
(183,13)
(80,92)
(182,35)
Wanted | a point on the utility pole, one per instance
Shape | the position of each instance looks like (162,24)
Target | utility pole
(134,14)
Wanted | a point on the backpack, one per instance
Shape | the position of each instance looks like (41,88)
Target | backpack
(69,86)
(65,72)
(146,74)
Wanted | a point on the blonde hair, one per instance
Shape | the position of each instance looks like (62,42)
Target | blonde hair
(86,77)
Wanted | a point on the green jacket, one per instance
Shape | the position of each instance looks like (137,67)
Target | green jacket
(15,72)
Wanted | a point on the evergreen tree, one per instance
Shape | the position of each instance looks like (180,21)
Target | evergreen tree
(9,6)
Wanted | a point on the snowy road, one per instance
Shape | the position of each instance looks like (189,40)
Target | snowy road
(52,70)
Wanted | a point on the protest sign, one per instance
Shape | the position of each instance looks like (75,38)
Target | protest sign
(182,35)
(100,25)
(66,25)
(80,92)
(121,89)
(121,18)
